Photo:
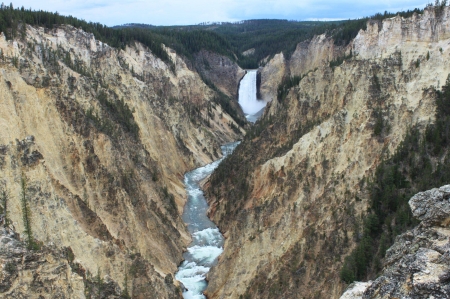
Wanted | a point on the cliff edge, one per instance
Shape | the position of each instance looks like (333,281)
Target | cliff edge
(418,264)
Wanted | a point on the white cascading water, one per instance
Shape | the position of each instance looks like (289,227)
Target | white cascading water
(251,106)
(207,241)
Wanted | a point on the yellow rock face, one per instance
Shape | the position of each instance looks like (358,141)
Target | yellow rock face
(94,184)
(289,235)
(271,76)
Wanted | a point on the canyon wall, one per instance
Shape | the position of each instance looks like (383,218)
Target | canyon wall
(271,76)
(290,200)
(307,57)
(221,71)
(97,139)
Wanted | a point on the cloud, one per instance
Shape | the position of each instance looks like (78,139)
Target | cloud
(182,12)
(322,9)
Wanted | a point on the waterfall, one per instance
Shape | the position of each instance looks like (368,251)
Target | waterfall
(251,106)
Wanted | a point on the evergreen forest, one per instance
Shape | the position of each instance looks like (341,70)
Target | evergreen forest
(266,37)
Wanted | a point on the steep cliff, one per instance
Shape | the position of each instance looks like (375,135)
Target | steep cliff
(30,274)
(271,76)
(221,71)
(308,56)
(418,264)
(102,138)
(291,201)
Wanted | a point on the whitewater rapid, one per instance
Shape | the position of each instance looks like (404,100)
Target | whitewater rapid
(251,106)
(207,241)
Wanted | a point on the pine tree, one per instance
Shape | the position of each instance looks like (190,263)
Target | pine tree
(99,283)
(4,198)
(125,292)
(26,214)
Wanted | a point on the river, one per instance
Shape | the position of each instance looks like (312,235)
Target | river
(207,241)
(252,107)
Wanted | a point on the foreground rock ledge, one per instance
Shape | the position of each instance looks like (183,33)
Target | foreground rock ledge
(418,264)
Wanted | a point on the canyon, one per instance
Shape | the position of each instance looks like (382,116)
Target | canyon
(98,139)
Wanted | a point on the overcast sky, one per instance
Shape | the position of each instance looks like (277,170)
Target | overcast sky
(187,12)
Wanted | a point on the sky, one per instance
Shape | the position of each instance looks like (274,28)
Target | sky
(189,12)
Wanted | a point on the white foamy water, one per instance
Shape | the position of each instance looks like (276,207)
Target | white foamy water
(247,96)
(207,241)
(207,237)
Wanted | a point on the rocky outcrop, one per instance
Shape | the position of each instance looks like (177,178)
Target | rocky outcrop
(432,208)
(249,52)
(52,272)
(291,198)
(271,76)
(221,71)
(355,290)
(307,57)
(418,264)
(45,273)
(102,138)
(382,39)
(314,53)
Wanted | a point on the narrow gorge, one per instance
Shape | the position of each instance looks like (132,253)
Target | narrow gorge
(144,162)
(207,241)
